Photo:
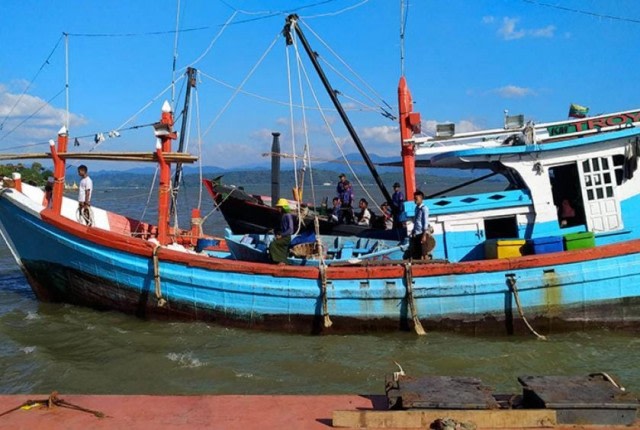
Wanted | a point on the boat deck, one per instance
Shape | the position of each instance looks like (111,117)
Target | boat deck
(227,412)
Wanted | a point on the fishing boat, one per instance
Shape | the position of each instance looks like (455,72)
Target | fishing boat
(305,249)
(506,261)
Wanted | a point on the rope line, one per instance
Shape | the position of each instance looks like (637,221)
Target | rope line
(50,403)
(511,281)
(323,276)
(31,82)
(369,87)
(244,81)
(46,103)
(156,277)
(408,278)
(335,139)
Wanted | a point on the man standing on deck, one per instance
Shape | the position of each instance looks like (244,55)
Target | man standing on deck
(84,194)
(420,235)
(279,246)
(397,199)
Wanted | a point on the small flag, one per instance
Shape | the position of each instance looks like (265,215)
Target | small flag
(577,111)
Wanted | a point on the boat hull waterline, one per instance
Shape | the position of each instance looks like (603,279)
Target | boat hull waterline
(104,270)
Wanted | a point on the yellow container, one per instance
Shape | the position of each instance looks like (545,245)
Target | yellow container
(504,248)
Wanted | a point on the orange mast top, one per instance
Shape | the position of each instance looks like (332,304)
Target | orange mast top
(409,125)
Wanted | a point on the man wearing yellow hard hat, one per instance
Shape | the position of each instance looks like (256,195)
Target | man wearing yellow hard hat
(279,247)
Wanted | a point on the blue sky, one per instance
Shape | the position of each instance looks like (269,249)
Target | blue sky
(465,61)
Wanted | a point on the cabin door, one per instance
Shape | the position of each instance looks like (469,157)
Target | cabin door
(602,208)
(464,239)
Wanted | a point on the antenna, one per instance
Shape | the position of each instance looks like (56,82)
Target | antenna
(66,76)
(402,26)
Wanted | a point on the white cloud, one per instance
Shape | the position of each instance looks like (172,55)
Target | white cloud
(547,31)
(510,30)
(26,118)
(513,91)
(382,133)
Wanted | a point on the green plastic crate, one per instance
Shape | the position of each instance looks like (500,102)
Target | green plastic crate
(579,240)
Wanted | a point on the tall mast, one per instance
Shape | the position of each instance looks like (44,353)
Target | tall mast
(291,22)
(191,83)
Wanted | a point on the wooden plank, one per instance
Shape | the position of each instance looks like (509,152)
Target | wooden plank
(171,157)
(521,418)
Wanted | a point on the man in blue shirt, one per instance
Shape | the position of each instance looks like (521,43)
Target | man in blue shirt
(396,201)
(420,236)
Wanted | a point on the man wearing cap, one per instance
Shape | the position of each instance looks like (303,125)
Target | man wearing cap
(397,198)
(342,178)
(279,246)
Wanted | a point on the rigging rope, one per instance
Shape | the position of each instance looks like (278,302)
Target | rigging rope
(338,12)
(175,54)
(213,41)
(346,65)
(293,141)
(335,139)
(384,112)
(200,172)
(244,81)
(33,114)
(46,61)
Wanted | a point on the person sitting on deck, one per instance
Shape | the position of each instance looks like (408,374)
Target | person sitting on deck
(387,216)
(334,216)
(364,216)
(279,246)
(567,213)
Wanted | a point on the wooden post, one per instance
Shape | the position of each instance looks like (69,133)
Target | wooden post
(164,133)
(17,181)
(196,226)
(409,123)
(59,167)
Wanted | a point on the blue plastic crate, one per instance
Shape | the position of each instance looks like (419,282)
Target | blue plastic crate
(546,245)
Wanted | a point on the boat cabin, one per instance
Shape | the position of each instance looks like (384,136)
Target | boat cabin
(556,185)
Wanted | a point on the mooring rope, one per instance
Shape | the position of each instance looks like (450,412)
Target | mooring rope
(156,277)
(511,281)
(52,401)
(323,275)
(408,278)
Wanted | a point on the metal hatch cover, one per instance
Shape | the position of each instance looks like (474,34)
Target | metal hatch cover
(592,399)
(439,392)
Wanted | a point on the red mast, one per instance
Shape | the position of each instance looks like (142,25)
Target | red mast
(409,125)
(59,168)
(164,133)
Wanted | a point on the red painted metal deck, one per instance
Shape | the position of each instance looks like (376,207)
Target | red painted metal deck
(227,412)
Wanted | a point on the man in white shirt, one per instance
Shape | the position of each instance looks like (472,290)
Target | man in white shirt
(84,194)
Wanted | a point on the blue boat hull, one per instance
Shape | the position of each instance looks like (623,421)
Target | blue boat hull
(67,262)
